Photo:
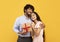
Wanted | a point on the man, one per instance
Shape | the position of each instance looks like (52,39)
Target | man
(24,36)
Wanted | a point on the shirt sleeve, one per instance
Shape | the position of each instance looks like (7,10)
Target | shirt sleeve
(16,25)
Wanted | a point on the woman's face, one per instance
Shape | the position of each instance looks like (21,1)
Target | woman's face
(33,16)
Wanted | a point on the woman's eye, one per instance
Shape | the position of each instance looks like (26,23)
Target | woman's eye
(33,15)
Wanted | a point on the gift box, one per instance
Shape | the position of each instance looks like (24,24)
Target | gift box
(26,27)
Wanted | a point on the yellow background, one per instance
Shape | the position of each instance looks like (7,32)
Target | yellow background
(49,11)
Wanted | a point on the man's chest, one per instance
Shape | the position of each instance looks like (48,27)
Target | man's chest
(23,22)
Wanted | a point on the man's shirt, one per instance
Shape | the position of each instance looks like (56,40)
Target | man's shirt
(18,25)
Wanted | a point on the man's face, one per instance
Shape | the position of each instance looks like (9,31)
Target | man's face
(28,11)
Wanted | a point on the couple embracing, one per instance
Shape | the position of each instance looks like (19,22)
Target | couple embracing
(29,27)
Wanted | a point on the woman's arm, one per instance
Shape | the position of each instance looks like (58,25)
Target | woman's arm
(32,30)
(37,31)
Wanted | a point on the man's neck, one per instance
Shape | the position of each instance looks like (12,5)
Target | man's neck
(27,16)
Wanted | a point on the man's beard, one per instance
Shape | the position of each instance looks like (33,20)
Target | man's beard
(29,15)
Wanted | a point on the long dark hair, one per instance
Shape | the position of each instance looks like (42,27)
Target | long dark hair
(38,17)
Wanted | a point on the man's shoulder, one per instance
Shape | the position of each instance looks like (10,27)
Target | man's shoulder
(20,17)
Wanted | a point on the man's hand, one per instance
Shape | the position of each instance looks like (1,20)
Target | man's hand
(23,32)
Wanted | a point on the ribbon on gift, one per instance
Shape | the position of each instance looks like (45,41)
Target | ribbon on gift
(26,27)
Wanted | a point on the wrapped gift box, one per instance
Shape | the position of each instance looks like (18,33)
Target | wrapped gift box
(26,26)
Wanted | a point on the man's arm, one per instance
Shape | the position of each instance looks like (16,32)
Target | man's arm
(16,27)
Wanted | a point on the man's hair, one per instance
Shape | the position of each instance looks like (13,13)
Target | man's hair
(28,6)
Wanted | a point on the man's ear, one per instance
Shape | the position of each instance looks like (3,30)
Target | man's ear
(25,10)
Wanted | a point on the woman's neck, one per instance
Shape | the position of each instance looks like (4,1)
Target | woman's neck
(35,21)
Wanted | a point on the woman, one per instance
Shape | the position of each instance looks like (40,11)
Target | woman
(37,27)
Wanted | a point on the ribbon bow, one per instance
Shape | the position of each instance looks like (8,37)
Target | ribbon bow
(26,27)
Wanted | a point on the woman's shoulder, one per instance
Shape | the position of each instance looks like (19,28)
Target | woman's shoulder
(39,22)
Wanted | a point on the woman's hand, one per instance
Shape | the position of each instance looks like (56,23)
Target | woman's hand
(37,31)
(33,25)
(42,25)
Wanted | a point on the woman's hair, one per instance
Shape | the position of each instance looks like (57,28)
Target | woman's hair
(38,17)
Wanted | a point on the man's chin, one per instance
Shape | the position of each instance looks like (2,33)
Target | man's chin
(29,15)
